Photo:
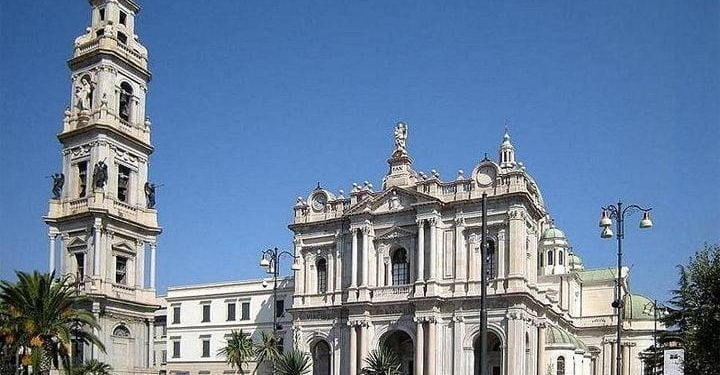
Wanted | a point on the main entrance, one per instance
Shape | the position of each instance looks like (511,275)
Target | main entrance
(401,343)
(495,355)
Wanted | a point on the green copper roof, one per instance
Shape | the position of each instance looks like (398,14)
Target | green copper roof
(598,274)
(556,335)
(638,307)
(553,232)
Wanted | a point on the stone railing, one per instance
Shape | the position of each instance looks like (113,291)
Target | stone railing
(392,293)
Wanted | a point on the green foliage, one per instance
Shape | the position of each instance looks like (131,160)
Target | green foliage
(292,363)
(40,317)
(696,311)
(238,350)
(382,361)
(92,367)
(266,349)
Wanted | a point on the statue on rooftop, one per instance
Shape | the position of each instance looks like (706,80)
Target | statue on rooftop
(401,133)
(58,182)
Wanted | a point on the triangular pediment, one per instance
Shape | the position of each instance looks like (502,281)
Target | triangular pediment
(124,246)
(395,232)
(76,242)
(393,199)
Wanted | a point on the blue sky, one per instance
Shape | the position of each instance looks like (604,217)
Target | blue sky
(254,102)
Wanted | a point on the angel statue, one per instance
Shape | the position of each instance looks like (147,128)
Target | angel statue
(83,95)
(58,182)
(401,133)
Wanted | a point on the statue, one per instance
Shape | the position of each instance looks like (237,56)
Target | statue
(150,194)
(83,95)
(401,133)
(58,182)
(100,174)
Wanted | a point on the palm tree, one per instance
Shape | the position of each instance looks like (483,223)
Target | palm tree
(266,349)
(383,361)
(93,367)
(238,350)
(43,317)
(293,363)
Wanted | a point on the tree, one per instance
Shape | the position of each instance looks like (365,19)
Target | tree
(42,317)
(696,311)
(292,363)
(238,350)
(266,349)
(383,361)
(93,367)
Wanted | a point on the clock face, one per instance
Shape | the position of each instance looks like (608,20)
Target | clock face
(319,201)
(485,176)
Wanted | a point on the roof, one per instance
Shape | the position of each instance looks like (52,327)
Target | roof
(598,274)
(638,307)
(553,232)
(556,335)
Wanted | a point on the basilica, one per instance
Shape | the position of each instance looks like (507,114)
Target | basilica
(399,265)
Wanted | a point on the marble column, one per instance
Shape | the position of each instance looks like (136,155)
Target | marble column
(516,342)
(460,254)
(353,349)
(457,349)
(308,275)
(51,260)
(431,352)
(541,366)
(613,358)
(626,358)
(501,254)
(299,285)
(379,271)
(365,254)
(338,265)
(433,248)
(421,251)
(153,255)
(419,347)
(140,269)
(388,272)
(354,258)
(97,247)
(363,344)
(518,257)
(330,275)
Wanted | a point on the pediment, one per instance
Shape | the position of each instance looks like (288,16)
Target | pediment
(76,242)
(124,246)
(395,232)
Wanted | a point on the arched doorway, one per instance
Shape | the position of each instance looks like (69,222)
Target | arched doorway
(401,343)
(495,354)
(321,358)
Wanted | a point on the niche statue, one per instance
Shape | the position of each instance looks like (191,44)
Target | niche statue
(100,174)
(150,194)
(58,182)
(83,94)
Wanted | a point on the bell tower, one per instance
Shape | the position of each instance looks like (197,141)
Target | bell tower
(102,219)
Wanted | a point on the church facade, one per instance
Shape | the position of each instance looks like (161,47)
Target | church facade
(401,266)
(398,266)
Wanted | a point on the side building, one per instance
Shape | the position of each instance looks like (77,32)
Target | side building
(200,318)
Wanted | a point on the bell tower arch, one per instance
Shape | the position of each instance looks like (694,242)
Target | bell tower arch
(102,220)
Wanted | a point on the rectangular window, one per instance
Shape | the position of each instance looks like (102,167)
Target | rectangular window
(176,315)
(206,348)
(123,183)
(80,260)
(176,349)
(77,352)
(102,14)
(123,18)
(82,178)
(205,313)
(245,307)
(231,311)
(120,270)
(279,308)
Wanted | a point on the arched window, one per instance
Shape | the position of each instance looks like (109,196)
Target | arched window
(550,260)
(321,358)
(321,266)
(121,331)
(561,257)
(125,105)
(400,268)
(542,257)
(560,366)
(490,260)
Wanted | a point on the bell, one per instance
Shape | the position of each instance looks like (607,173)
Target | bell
(646,222)
(606,233)
(605,220)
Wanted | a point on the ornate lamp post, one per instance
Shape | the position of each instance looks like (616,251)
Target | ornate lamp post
(618,212)
(270,261)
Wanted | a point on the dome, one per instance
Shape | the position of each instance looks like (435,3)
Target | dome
(553,232)
(575,261)
(637,307)
(559,336)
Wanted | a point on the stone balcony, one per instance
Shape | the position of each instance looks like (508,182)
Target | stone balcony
(133,51)
(96,285)
(100,202)
(103,117)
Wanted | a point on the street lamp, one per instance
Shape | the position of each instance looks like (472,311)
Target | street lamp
(618,212)
(656,314)
(270,262)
